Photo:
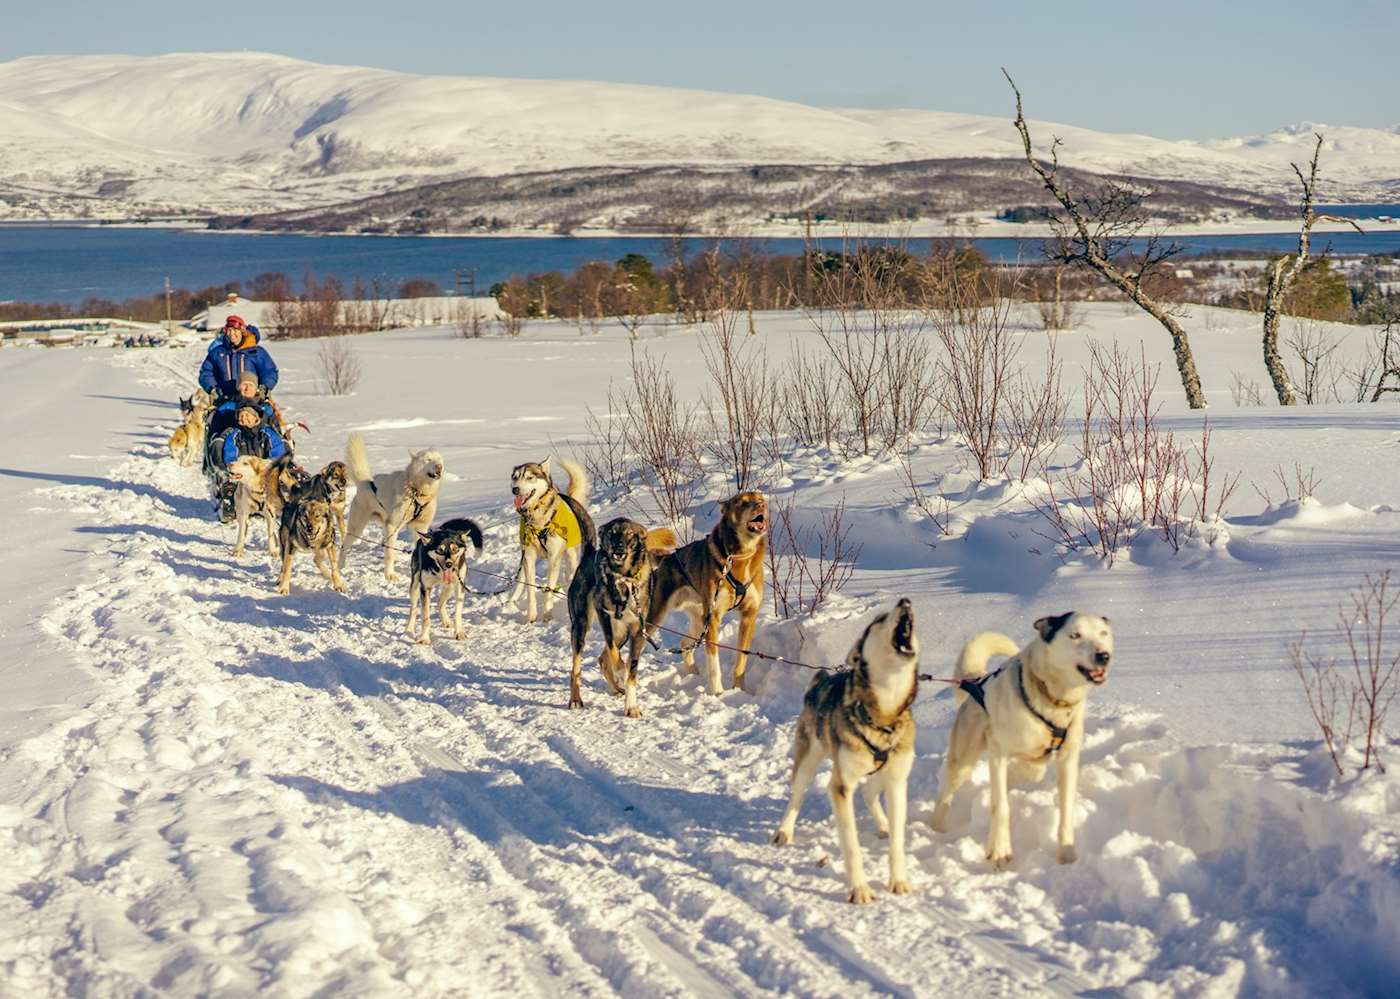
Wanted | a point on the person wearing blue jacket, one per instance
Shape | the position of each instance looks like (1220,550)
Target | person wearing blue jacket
(253,435)
(237,350)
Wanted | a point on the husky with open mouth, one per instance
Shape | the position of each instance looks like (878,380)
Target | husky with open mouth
(613,582)
(862,720)
(709,578)
(440,563)
(554,525)
(404,498)
(1029,710)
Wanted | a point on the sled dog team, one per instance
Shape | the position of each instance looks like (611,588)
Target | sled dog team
(629,578)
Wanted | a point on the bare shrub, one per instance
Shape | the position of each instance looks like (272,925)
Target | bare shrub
(1129,475)
(1035,417)
(1352,696)
(340,366)
(605,455)
(808,564)
(738,367)
(468,319)
(1294,484)
(881,368)
(510,324)
(1244,391)
(1056,310)
(664,435)
(814,415)
(934,509)
(979,355)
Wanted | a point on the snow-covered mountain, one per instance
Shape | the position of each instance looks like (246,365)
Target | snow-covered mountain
(231,132)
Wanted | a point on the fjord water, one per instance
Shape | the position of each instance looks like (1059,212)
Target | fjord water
(41,263)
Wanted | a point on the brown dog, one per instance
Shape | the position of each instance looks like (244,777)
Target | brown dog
(712,576)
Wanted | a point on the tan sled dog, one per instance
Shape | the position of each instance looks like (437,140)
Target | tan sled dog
(1023,714)
(263,488)
(712,576)
(862,720)
(554,524)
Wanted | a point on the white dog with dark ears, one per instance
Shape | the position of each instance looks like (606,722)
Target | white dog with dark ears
(406,498)
(1028,711)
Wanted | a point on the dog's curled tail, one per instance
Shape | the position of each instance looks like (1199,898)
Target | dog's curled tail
(972,661)
(357,459)
(467,526)
(577,488)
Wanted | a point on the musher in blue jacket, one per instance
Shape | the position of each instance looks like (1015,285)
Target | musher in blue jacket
(237,350)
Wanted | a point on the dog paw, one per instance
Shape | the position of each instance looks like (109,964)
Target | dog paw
(882,831)
(939,821)
(284,590)
(900,887)
(999,861)
(459,634)
(424,641)
(782,837)
(575,703)
(633,712)
(861,895)
(1066,854)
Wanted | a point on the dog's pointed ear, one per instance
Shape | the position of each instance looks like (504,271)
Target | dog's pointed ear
(545,465)
(854,657)
(1049,627)
(662,541)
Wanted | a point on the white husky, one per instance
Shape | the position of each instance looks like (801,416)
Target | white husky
(1023,714)
(406,498)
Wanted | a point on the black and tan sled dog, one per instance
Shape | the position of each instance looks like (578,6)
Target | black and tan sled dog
(613,581)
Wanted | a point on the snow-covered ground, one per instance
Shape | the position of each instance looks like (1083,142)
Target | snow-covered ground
(207,789)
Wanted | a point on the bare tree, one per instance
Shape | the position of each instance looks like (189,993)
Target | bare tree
(340,366)
(1284,271)
(664,434)
(1244,391)
(1097,232)
(1314,352)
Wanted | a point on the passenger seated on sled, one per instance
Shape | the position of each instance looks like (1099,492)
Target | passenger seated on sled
(253,433)
(226,412)
(235,352)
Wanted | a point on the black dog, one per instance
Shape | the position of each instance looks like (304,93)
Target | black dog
(614,581)
(440,563)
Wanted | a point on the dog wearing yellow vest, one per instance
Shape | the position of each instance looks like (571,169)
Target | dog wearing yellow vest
(553,525)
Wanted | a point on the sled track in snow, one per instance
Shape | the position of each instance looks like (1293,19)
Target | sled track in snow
(286,793)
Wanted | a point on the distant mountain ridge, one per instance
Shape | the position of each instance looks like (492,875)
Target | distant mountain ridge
(247,133)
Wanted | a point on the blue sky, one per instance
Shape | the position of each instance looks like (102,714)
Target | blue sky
(1188,68)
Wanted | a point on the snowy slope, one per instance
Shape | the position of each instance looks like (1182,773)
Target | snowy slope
(239,131)
(286,794)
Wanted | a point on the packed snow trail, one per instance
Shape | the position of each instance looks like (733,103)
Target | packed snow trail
(288,795)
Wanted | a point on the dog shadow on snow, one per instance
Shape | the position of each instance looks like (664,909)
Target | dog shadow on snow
(547,804)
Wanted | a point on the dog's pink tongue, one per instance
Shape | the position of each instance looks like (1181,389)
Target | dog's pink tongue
(519,501)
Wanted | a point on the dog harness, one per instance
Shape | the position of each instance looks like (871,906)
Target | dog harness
(863,718)
(563,523)
(418,507)
(975,687)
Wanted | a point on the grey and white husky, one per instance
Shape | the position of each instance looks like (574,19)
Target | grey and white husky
(440,563)
(862,720)
(554,524)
